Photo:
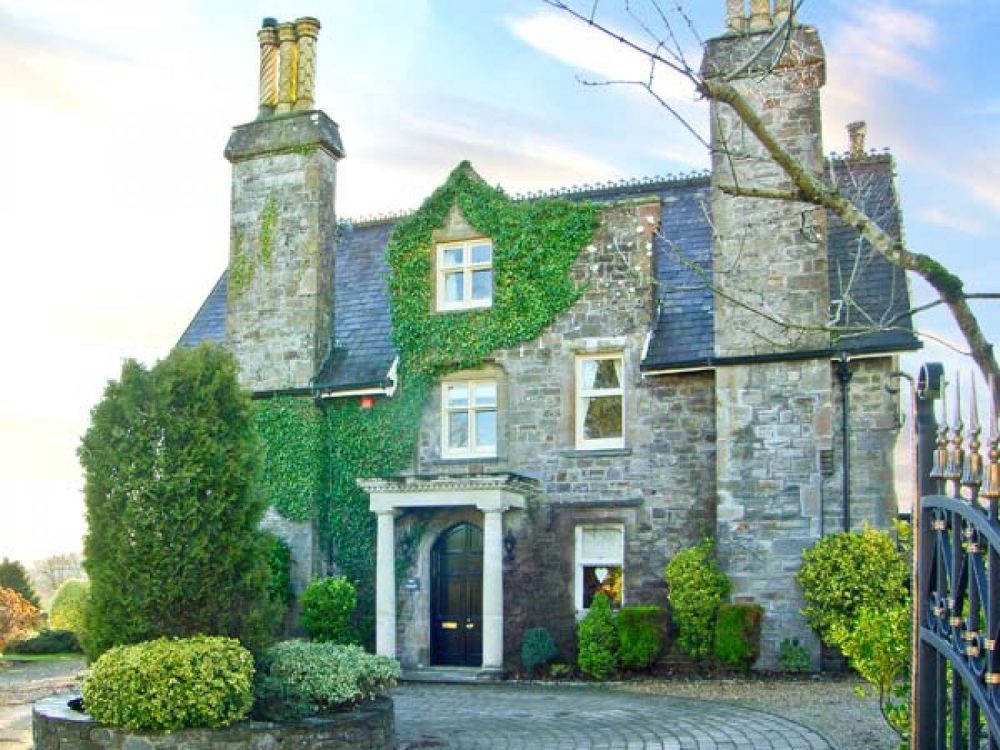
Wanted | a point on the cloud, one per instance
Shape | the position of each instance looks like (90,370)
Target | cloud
(579,46)
(948,220)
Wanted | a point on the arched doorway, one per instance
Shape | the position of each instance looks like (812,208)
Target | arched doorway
(457,597)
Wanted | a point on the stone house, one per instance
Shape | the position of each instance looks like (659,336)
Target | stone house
(695,384)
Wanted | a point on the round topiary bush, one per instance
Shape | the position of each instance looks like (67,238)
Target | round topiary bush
(68,606)
(298,678)
(328,606)
(696,586)
(171,683)
(843,573)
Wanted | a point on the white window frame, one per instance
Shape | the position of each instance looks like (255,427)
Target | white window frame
(582,394)
(582,562)
(466,269)
(474,450)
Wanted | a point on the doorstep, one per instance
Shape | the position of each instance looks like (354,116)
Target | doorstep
(453,675)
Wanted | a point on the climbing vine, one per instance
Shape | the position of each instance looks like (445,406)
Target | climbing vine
(534,247)
(244,261)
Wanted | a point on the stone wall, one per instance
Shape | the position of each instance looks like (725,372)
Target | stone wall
(371,725)
(660,486)
(280,303)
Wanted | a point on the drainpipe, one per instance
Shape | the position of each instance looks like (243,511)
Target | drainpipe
(844,375)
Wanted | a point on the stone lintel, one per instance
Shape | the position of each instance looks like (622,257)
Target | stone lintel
(493,492)
(285,133)
(730,52)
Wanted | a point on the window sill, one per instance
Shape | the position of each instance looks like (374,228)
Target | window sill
(595,452)
(453,460)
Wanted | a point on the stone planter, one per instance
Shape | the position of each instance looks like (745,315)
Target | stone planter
(371,725)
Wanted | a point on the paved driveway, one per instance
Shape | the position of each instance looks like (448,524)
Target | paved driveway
(524,717)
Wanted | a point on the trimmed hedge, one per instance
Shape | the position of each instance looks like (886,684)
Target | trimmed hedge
(328,606)
(696,586)
(597,636)
(171,683)
(46,642)
(737,635)
(298,679)
(641,632)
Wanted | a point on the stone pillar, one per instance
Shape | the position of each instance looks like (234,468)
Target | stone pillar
(493,590)
(287,73)
(268,38)
(385,585)
(306,29)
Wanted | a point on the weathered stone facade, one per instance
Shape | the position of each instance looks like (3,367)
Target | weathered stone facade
(660,486)
(282,239)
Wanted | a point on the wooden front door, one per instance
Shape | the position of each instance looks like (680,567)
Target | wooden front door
(457,597)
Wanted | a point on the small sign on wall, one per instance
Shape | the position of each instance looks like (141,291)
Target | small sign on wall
(412,584)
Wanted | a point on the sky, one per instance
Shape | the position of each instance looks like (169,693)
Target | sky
(115,198)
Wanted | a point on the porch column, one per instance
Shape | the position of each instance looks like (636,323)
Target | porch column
(385,585)
(493,590)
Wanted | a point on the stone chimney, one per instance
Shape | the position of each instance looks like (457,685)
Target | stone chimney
(856,132)
(279,317)
(769,264)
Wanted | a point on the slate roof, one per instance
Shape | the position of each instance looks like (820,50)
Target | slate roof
(872,291)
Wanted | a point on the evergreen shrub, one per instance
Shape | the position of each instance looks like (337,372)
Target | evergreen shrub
(328,606)
(842,573)
(737,635)
(696,586)
(298,678)
(68,606)
(279,563)
(640,635)
(597,640)
(792,656)
(174,546)
(46,642)
(171,683)
(537,648)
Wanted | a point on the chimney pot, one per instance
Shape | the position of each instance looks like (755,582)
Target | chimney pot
(736,19)
(782,11)
(269,23)
(760,15)
(306,29)
(856,132)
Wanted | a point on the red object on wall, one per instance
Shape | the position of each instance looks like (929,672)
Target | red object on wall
(367,402)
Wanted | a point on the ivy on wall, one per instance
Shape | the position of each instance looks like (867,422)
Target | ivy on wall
(534,247)
(244,262)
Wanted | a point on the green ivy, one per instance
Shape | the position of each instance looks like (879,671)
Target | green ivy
(295,466)
(534,247)
(243,264)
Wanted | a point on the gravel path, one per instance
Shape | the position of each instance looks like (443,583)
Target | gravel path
(825,703)
(22,683)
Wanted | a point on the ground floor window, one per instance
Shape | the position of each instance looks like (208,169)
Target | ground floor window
(600,562)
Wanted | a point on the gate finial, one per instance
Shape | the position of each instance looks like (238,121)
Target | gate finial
(972,476)
(991,476)
(956,456)
(941,451)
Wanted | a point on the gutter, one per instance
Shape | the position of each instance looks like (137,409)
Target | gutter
(712,363)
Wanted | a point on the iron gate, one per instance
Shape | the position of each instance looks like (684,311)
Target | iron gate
(957,592)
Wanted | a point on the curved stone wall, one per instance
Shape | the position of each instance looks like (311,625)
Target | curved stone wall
(372,725)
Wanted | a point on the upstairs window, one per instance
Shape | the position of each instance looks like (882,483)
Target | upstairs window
(464,275)
(599,403)
(600,557)
(469,419)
